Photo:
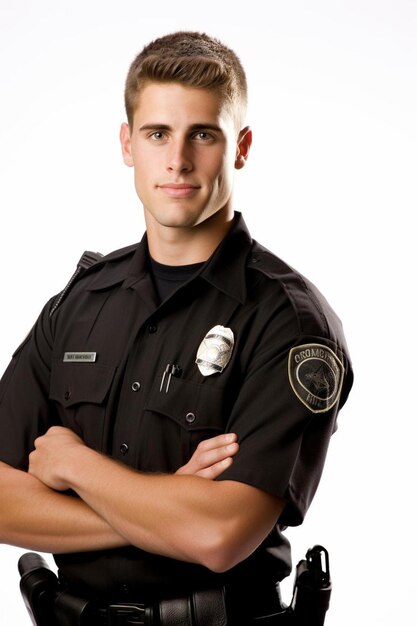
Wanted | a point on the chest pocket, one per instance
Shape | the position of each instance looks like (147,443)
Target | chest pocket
(187,413)
(80,392)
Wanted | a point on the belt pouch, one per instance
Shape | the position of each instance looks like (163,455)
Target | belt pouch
(209,607)
(71,610)
(175,612)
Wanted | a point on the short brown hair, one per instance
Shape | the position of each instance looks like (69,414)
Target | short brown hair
(192,59)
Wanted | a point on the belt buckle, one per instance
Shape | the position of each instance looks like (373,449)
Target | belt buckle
(126,615)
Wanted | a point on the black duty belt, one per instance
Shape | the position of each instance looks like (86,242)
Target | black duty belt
(205,609)
(129,614)
(199,608)
(51,605)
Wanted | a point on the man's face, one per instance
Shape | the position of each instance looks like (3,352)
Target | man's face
(184,148)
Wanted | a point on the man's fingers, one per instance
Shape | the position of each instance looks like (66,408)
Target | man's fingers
(216,442)
(210,452)
(216,469)
(216,455)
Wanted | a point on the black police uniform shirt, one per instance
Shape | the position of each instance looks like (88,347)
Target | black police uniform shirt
(119,368)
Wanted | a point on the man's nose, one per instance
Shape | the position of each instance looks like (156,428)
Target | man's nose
(179,157)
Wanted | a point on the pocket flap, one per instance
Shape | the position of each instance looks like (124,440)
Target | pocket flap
(192,406)
(74,383)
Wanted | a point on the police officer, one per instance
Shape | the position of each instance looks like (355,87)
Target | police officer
(178,399)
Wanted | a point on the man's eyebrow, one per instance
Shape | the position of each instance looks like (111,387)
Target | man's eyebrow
(193,127)
(153,126)
(203,126)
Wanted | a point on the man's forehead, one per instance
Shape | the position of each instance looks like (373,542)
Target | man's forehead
(176,101)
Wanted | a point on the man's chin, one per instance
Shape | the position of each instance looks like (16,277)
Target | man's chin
(184,216)
(178,218)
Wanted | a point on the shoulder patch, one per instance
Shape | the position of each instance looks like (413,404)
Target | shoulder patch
(316,376)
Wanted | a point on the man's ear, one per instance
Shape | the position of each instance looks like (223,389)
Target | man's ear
(244,143)
(126,144)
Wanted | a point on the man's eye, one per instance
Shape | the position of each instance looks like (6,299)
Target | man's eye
(202,135)
(157,135)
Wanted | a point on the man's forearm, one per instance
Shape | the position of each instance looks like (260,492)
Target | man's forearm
(160,513)
(216,524)
(35,517)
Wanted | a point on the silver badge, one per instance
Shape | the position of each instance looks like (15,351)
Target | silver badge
(215,350)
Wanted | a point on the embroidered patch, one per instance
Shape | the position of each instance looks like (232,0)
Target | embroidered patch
(215,350)
(316,376)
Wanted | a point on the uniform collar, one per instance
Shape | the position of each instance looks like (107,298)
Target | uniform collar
(225,269)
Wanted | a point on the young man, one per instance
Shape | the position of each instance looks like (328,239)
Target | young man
(155,351)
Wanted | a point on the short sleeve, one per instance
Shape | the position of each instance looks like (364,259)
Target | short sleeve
(24,391)
(283,432)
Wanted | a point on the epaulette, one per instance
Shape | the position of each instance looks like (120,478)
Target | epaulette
(87,260)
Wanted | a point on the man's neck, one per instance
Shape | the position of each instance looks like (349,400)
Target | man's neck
(186,246)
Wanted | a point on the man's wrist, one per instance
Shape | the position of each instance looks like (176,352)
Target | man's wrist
(78,465)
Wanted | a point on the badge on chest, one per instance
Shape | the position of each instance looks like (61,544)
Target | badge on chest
(215,351)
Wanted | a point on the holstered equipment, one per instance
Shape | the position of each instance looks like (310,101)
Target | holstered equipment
(47,605)
(312,588)
(38,585)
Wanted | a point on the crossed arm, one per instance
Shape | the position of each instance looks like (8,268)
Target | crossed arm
(185,516)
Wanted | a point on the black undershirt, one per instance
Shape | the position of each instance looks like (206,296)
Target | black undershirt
(168,278)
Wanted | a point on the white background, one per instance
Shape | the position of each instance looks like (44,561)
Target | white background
(330,187)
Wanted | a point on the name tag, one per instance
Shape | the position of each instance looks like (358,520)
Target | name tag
(80,357)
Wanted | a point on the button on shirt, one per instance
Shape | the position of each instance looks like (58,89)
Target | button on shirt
(288,375)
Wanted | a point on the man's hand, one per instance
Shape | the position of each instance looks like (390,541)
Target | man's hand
(53,452)
(211,457)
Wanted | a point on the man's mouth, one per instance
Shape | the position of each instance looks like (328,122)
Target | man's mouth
(178,190)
